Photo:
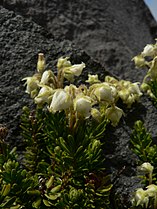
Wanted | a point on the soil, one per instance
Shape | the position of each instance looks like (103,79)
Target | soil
(103,34)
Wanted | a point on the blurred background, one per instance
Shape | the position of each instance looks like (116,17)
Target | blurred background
(152,4)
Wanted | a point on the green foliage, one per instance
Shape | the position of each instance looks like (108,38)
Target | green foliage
(143,146)
(153,87)
(15,181)
(62,167)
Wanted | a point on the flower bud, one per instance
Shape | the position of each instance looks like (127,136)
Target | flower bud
(63,62)
(92,79)
(82,105)
(57,149)
(41,63)
(61,100)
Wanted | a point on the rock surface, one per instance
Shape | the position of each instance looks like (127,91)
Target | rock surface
(110,31)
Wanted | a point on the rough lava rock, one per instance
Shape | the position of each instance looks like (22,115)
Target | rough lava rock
(110,31)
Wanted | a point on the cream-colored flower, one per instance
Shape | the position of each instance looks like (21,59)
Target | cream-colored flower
(96,114)
(141,198)
(139,61)
(72,90)
(124,94)
(82,106)
(146,167)
(92,79)
(130,100)
(153,69)
(44,95)
(114,91)
(110,79)
(47,77)
(32,85)
(63,62)
(114,114)
(74,70)
(61,100)
(151,190)
(129,92)
(148,51)
(77,69)
(103,92)
(124,84)
(134,89)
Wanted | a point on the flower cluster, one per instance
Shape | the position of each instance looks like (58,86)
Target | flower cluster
(148,59)
(97,100)
(127,91)
(142,196)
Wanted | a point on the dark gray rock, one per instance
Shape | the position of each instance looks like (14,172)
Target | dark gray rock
(111,31)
